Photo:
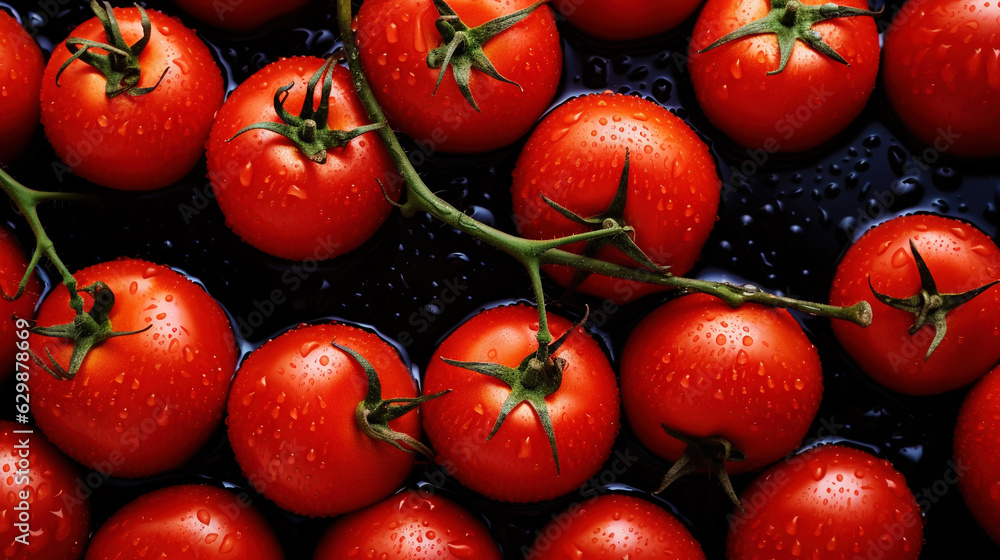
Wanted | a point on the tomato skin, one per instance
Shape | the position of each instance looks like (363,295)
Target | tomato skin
(977,449)
(619,20)
(411,525)
(517,464)
(705,369)
(140,404)
(273,195)
(528,53)
(60,519)
(190,521)
(961,258)
(616,526)
(238,16)
(13,265)
(812,100)
(671,203)
(942,73)
(829,496)
(21,65)
(133,143)
(320,463)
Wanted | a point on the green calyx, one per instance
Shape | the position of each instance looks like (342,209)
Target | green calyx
(463,46)
(929,306)
(613,217)
(120,65)
(792,20)
(87,330)
(310,131)
(373,414)
(709,454)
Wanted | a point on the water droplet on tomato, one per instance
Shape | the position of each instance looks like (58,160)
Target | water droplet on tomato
(900,258)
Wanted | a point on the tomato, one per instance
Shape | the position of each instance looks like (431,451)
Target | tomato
(273,195)
(576,158)
(190,521)
(516,464)
(977,449)
(614,526)
(142,403)
(395,38)
(828,503)
(703,369)
(411,525)
(238,15)
(292,420)
(960,260)
(40,482)
(618,20)
(133,141)
(812,99)
(942,74)
(13,265)
(21,65)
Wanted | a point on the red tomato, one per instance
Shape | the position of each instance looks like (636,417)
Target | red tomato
(977,449)
(809,102)
(13,265)
(133,142)
(143,403)
(278,199)
(613,526)
(21,65)
(828,503)
(411,525)
(960,258)
(292,421)
(942,73)
(186,522)
(618,20)
(36,474)
(240,15)
(576,157)
(704,369)
(517,465)
(395,38)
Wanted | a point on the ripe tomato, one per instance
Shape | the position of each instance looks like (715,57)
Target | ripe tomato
(36,474)
(411,525)
(960,259)
(13,265)
(828,503)
(942,73)
(812,99)
(614,526)
(186,522)
(21,65)
(238,15)
(133,141)
(618,20)
(576,158)
(704,369)
(293,425)
(395,38)
(977,449)
(277,198)
(143,403)
(517,464)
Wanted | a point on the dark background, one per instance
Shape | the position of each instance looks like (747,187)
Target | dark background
(783,228)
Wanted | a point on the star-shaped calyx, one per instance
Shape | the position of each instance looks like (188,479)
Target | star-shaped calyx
(612,217)
(710,453)
(792,20)
(463,46)
(929,306)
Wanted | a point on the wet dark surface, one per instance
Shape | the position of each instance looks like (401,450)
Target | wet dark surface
(782,225)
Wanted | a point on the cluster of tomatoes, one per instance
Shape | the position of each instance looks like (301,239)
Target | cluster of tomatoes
(328,420)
